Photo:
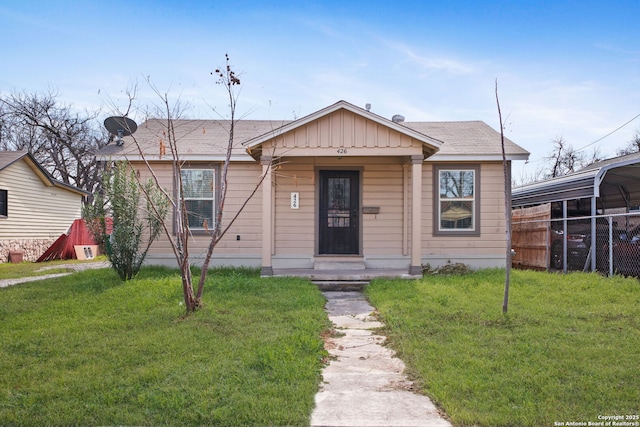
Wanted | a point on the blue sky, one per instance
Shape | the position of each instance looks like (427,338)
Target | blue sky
(567,69)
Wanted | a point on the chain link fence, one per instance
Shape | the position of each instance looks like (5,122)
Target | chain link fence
(541,242)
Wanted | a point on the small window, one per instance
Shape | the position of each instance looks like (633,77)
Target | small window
(3,203)
(457,200)
(199,195)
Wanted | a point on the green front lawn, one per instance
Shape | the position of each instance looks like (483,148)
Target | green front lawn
(567,351)
(87,349)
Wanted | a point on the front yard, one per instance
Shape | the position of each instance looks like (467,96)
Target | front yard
(87,349)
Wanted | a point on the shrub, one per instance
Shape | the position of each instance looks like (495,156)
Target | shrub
(133,229)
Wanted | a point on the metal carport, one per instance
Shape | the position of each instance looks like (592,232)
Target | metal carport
(609,184)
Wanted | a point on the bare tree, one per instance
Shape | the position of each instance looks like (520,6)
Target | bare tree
(561,161)
(507,210)
(527,177)
(178,232)
(594,157)
(227,78)
(633,146)
(63,141)
(564,159)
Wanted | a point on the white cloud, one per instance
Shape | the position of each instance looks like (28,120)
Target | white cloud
(430,64)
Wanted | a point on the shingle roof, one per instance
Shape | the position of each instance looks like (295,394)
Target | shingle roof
(207,139)
(197,139)
(9,157)
(467,139)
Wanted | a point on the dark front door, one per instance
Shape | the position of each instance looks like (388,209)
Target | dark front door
(339,212)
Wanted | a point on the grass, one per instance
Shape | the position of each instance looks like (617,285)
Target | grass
(87,349)
(27,269)
(568,349)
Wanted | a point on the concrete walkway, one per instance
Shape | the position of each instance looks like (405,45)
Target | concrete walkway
(364,385)
(71,267)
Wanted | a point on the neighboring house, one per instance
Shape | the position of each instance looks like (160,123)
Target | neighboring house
(343,188)
(35,208)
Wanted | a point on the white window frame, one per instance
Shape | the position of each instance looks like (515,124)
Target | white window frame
(473,199)
(212,199)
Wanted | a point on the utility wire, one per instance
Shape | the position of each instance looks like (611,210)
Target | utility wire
(610,133)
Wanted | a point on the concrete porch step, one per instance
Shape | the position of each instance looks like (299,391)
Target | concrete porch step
(341,275)
(339,263)
(340,285)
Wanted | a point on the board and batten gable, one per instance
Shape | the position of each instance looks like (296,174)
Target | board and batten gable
(342,133)
(35,210)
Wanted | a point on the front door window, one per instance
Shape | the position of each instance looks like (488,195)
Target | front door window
(339,212)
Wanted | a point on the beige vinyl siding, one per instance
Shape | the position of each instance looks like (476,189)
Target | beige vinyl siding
(295,228)
(163,173)
(491,240)
(383,183)
(35,211)
(242,179)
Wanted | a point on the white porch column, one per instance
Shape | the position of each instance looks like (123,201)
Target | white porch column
(416,215)
(267,244)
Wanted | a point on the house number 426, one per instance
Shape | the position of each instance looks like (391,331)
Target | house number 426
(342,151)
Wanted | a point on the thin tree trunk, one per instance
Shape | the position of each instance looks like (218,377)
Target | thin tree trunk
(507,211)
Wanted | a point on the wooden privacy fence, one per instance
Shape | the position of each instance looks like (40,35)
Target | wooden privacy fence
(530,236)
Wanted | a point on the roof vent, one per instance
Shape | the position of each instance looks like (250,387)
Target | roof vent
(397,118)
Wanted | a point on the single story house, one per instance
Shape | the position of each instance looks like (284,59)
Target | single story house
(342,187)
(35,208)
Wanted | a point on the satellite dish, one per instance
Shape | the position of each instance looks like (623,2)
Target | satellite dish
(120,126)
